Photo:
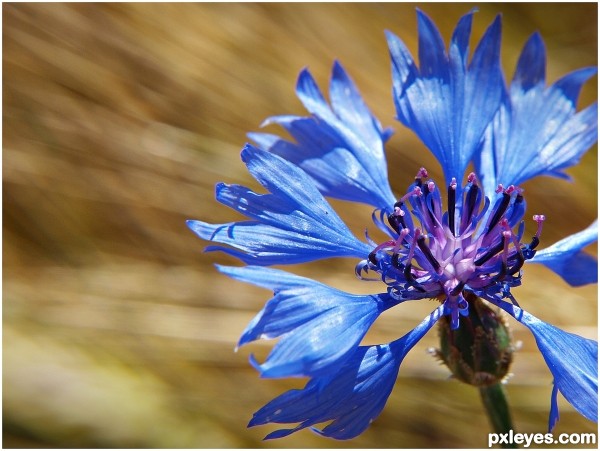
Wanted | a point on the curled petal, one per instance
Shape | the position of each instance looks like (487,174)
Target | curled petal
(350,398)
(292,224)
(573,361)
(567,259)
(318,326)
(340,147)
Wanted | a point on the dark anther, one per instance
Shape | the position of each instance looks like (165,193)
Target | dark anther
(410,278)
(489,254)
(499,211)
(373,258)
(534,242)
(471,199)
(396,261)
(396,222)
(426,189)
(427,203)
(425,249)
(457,289)
(501,274)
(517,267)
(529,249)
(451,207)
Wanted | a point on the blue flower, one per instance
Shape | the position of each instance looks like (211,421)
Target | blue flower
(473,246)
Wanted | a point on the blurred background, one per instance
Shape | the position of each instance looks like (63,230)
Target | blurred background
(118,121)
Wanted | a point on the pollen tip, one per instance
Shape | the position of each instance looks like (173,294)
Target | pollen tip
(472,178)
(422,173)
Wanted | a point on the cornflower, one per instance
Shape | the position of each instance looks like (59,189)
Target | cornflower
(460,243)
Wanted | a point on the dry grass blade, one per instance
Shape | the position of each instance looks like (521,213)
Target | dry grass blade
(118,121)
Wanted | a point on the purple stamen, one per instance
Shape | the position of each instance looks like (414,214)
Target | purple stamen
(529,250)
(451,205)
(443,257)
(536,238)
(472,196)
(499,210)
(427,252)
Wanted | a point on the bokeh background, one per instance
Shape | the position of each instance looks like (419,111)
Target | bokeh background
(118,121)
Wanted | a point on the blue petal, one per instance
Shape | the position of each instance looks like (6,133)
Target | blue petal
(311,97)
(570,85)
(447,103)
(340,146)
(459,44)
(554,415)
(318,326)
(293,224)
(531,67)
(537,130)
(567,259)
(573,361)
(352,111)
(432,51)
(352,397)
(459,52)
(489,161)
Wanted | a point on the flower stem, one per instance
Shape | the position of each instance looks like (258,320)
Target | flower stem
(494,400)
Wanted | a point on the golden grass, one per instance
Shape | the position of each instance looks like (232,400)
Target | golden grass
(118,121)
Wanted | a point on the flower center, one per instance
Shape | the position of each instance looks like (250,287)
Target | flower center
(468,248)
